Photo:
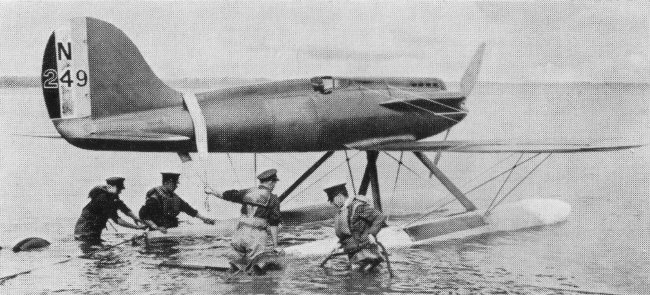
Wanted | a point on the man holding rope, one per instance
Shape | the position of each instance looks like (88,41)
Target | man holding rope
(163,205)
(260,216)
(356,225)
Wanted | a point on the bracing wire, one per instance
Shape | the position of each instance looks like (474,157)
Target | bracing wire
(430,212)
(451,200)
(498,175)
(489,210)
(412,171)
(293,196)
(488,169)
(496,196)
(399,165)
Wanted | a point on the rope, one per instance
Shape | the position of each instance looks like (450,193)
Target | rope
(234,170)
(202,179)
(517,185)
(254,167)
(274,161)
(347,159)
(319,179)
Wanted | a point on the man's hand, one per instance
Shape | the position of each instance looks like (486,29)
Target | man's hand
(140,226)
(209,221)
(279,251)
(162,229)
(210,191)
(372,239)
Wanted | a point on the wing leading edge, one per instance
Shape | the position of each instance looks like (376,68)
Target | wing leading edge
(464,146)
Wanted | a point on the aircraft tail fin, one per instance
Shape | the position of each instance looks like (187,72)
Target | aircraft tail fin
(471,74)
(92,69)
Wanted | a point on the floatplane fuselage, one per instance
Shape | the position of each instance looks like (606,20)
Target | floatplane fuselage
(282,116)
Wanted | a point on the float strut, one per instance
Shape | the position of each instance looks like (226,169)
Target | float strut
(370,178)
(469,206)
(306,174)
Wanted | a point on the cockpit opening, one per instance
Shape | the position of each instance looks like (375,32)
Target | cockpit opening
(324,84)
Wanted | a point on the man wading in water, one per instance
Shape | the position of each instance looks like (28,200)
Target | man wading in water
(163,205)
(104,203)
(356,225)
(260,215)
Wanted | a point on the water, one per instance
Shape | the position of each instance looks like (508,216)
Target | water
(602,247)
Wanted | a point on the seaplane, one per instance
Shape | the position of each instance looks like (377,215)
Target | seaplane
(101,95)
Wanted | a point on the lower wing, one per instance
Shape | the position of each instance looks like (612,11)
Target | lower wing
(468,146)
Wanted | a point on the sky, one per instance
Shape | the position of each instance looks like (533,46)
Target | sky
(540,41)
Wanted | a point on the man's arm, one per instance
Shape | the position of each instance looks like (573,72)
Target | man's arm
(185,207)
(275,217)
(135,218)
(274,235)
(125,223)
(127,211)
(147,213)
(153,226)
(235,196)
(372,216)
(205,220)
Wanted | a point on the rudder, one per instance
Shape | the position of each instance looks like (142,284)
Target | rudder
(91,68)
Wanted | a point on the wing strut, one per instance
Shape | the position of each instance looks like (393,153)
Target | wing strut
(305,175)
(469,206)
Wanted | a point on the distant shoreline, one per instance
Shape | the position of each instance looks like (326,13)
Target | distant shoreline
(216,82)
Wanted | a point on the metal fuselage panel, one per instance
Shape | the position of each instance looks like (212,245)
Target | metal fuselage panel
(285,116)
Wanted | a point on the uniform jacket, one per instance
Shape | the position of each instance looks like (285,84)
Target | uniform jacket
(162,206)
(103,205)
(257,202)
(355,221)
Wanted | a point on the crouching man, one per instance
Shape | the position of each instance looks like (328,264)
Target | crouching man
(260,216)
(356,225)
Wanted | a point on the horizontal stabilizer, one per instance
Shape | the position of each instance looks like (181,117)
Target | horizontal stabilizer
(51,135)
(466,146)
(138,137)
